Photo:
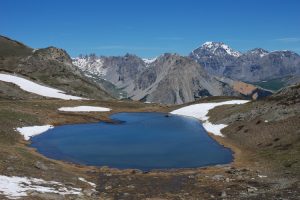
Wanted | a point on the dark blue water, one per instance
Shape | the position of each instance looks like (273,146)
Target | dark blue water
(143,141)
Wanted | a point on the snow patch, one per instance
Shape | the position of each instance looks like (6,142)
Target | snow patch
(35,88)
(15,187)
(259,51)
(31,131)
(85,109)
(90,183)
(148,61)
(213,46)
(91,66)
(262,176)
(262,54)
(214,128)
(200,112)
(208,44)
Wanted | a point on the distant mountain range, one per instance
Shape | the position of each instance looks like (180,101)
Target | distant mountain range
(170,78)
(214,69)
(252,66)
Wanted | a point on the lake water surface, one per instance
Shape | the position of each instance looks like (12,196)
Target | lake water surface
(142,140)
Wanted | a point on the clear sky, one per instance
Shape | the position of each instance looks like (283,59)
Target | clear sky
(151,27)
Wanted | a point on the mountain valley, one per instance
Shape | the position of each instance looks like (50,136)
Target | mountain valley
(214,69)
(263,132)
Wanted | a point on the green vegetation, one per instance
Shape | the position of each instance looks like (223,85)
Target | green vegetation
(284,156)
(9,118)
(273,84)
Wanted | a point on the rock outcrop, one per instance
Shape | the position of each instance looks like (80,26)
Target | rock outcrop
(51,66)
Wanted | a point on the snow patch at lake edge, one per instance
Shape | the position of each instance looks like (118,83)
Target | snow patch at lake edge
(84,109)
(31,131)
(200,112)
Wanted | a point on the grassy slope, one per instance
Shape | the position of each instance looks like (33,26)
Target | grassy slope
(270,129)
(10,47)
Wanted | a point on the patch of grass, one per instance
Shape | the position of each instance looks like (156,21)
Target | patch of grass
(274,84)
(11,47)
(224,111)
(7,116)
(9,119)
(286,160)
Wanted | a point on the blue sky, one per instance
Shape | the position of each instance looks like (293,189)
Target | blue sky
(151,27)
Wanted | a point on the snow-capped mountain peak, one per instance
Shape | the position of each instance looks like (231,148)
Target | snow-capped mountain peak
(148,61)
(258,51)
(214,47)
(208,44)
(92,65)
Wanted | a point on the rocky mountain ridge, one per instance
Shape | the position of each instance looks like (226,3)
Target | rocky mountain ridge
(169,78)
(51,66)
(252,66)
